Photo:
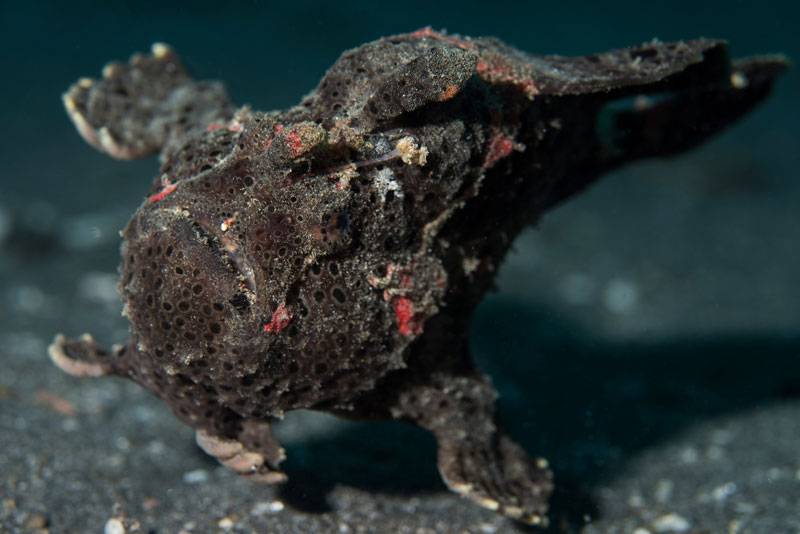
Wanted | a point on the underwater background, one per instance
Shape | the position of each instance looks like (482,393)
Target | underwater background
(645,337)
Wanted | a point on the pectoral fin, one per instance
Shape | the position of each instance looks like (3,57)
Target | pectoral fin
(135,109)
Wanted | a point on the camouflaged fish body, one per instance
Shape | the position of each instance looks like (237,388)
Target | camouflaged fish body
(329,256)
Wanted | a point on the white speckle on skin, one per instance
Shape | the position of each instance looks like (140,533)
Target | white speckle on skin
(411,152)
(739,80)
(385,181)
(470,265)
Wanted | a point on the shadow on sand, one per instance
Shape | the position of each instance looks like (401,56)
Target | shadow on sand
(587,404)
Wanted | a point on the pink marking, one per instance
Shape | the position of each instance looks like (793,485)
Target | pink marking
(277,129)
(404,313)
(167,188)
(214,126)
(529,87)
(295,143)
(496,69)
(500,146)
(280,320)
(449,92)
(430,33)
(421,33)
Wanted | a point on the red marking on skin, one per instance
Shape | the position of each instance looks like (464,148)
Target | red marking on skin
(483,68)
(280,320)
(529,87)
(404,314)
(214,126)
(167,188)
(500,146)
(277,129)
(449,92)
(295,143)
(496,69)
(429,33)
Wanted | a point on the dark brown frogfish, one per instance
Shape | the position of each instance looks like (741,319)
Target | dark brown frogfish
(329,256)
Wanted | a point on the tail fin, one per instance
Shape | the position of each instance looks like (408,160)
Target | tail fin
(688,116)
(138,107)
(659,116)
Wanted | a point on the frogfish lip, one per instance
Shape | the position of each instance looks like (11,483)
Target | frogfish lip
(187,286)
(229,249)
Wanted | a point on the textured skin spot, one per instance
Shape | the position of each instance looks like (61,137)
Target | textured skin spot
(295,143)
(280,320)
(500,147)
(166,190)
(404,313)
